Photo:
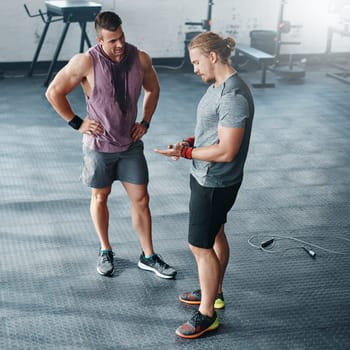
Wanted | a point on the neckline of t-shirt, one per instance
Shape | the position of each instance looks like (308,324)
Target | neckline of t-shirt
(222,84)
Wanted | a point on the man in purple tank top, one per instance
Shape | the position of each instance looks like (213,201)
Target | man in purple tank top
(112,75)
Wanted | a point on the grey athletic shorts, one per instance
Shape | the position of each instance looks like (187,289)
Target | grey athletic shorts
(208,211)
(100,169)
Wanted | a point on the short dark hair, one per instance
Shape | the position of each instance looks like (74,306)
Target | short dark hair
(107,20)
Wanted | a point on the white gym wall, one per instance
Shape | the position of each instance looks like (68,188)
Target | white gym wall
(158,26)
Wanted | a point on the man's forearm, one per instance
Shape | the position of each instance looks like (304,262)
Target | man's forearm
(60,105)
(150,102)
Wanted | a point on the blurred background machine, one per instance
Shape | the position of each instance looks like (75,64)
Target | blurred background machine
(69,12)
(271,42)
(340,25)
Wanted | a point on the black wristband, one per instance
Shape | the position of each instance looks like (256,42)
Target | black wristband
(76,122)
(145,123)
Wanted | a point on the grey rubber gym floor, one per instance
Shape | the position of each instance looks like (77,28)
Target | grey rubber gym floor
(297,185)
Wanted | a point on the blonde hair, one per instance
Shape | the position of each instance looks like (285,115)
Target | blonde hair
(211,42)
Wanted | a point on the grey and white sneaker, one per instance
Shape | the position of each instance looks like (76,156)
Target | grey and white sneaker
(105,263)
(156,265)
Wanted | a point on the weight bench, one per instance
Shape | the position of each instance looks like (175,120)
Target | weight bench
(263,58)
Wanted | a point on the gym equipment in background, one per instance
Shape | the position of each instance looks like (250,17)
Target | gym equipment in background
(340,10)
(206,26)
(293,69)
(69,12)
(270,41)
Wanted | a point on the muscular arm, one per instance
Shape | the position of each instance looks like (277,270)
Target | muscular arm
(151,94)
(66,80)
(151,86)
(225,151)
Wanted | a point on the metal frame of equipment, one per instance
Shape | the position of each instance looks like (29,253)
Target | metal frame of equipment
(69,12)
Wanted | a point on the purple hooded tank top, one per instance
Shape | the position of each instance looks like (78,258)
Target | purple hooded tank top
(114,99)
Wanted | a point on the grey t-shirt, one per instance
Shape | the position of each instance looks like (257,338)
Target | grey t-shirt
(229,105)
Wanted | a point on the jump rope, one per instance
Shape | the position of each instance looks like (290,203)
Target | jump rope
(268,245)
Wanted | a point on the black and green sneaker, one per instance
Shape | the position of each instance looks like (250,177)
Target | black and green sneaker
(198,325)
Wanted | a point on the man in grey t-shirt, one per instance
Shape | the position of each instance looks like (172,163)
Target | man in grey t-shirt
(218,151)
(224,106)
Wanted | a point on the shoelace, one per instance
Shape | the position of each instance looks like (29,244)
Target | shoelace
(196,318)
(158,260)
(197,293)
(107,257)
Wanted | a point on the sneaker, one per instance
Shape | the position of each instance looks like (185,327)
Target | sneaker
(194,298)
(156,265)
(105,263)
(198,325)
(219,301)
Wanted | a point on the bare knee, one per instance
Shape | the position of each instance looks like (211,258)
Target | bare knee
(138,195)
(200,252)
(100,196)
(141,201)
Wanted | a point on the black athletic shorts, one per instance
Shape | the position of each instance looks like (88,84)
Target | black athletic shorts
(208,211)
